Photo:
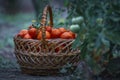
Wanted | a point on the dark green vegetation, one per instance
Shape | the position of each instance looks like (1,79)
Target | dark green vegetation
(99,35)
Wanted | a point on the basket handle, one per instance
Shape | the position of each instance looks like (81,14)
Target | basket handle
(44,19)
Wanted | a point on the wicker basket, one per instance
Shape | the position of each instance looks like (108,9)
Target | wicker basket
(39,57)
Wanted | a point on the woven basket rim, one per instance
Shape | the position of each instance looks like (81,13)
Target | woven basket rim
(16,37)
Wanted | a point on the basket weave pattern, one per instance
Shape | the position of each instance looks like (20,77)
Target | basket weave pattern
(45,55)
(31,52)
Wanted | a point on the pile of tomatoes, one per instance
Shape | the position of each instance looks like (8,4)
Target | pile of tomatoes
(51,33)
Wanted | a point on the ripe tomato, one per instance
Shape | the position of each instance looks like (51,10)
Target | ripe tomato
(33,32)
(48,28)
(22,33)
(27,36)
(62,30)
(66,35)
(73,34)
(39,36)
(48,35)
(55,33)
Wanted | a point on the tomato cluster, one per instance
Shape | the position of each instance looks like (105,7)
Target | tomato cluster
(51,33)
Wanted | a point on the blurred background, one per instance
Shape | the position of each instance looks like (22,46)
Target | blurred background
(98,37)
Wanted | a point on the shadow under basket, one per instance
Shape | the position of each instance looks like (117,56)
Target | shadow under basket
(47,72)
(46,56)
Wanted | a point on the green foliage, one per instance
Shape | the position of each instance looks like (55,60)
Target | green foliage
(114,66)
(100,31)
